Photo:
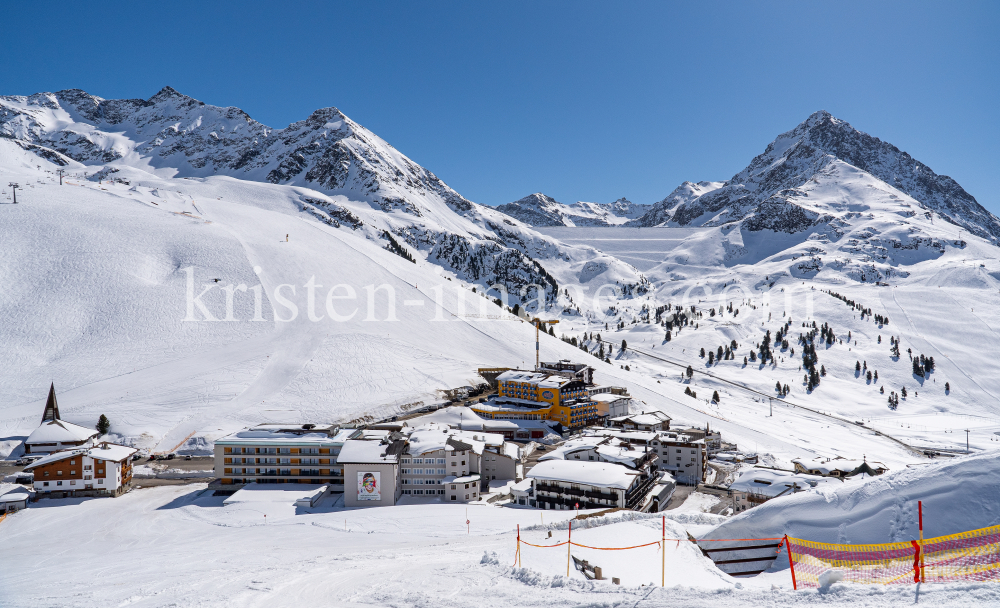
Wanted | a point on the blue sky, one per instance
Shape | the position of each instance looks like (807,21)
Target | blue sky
(582,101)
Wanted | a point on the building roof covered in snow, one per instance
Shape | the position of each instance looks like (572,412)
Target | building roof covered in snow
(60,431)
(645,418)
(433,436)
(767,482)
(102,451)
(543,380)
(597,474)
(360,451)
(12,492)
(840,467)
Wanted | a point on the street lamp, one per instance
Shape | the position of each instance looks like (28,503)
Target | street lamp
(14,186)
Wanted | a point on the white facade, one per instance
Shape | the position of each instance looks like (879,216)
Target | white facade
(102,469)
(686,460)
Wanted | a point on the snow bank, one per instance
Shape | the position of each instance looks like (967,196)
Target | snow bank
(957,495)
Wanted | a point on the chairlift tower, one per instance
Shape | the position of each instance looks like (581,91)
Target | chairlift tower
(14,186)
(60,172)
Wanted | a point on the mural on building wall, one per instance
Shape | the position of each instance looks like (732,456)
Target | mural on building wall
(369,486)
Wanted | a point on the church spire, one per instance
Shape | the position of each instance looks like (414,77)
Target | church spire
(51,407)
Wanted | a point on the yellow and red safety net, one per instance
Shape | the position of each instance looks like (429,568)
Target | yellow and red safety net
(972,555)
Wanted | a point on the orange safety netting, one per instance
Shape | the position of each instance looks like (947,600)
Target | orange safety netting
(972,555)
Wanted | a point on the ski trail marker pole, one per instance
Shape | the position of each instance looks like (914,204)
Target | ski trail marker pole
(663,549)
(569,546)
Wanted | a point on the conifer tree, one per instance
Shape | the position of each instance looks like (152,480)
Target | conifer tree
(947,387)
(690,372)
(715,397)
(711,357)
(103,425)
(902,392)
(702,353)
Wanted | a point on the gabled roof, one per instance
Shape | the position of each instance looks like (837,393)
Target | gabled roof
(104,451)
(60,431)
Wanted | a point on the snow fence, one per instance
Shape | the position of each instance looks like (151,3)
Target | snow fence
(966,556)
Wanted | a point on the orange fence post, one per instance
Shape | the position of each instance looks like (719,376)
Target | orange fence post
(569,546)
(791,562)
(920,517)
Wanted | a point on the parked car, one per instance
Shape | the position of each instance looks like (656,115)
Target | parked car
(170,456)
(188,457)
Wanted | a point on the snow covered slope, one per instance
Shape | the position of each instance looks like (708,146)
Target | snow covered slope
(541,210)
(173,135)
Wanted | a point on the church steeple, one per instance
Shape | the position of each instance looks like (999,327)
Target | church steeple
(51,407)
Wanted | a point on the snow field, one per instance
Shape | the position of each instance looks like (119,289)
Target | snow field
(176,545)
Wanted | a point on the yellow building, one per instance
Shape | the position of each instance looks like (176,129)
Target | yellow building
(526,395)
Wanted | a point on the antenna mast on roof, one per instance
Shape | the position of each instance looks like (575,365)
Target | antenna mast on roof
(538,323)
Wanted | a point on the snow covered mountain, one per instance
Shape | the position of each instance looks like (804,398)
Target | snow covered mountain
(365,182)
(541,210)
(663,211)
(770,193)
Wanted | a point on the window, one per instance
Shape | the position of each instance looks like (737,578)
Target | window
(46,474)
(86,467)
(467,487)
(72,462)
(59,483)
(58,472)
(406,491)
(452,486)
(440,491)
(418,461)
(454,497)
(466,497)
(100,471)
(463,463)
(406,481)
(406,461)
(405,471)
(454,464)
(440,471)
(46,484)
(440,460)
(72,482)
